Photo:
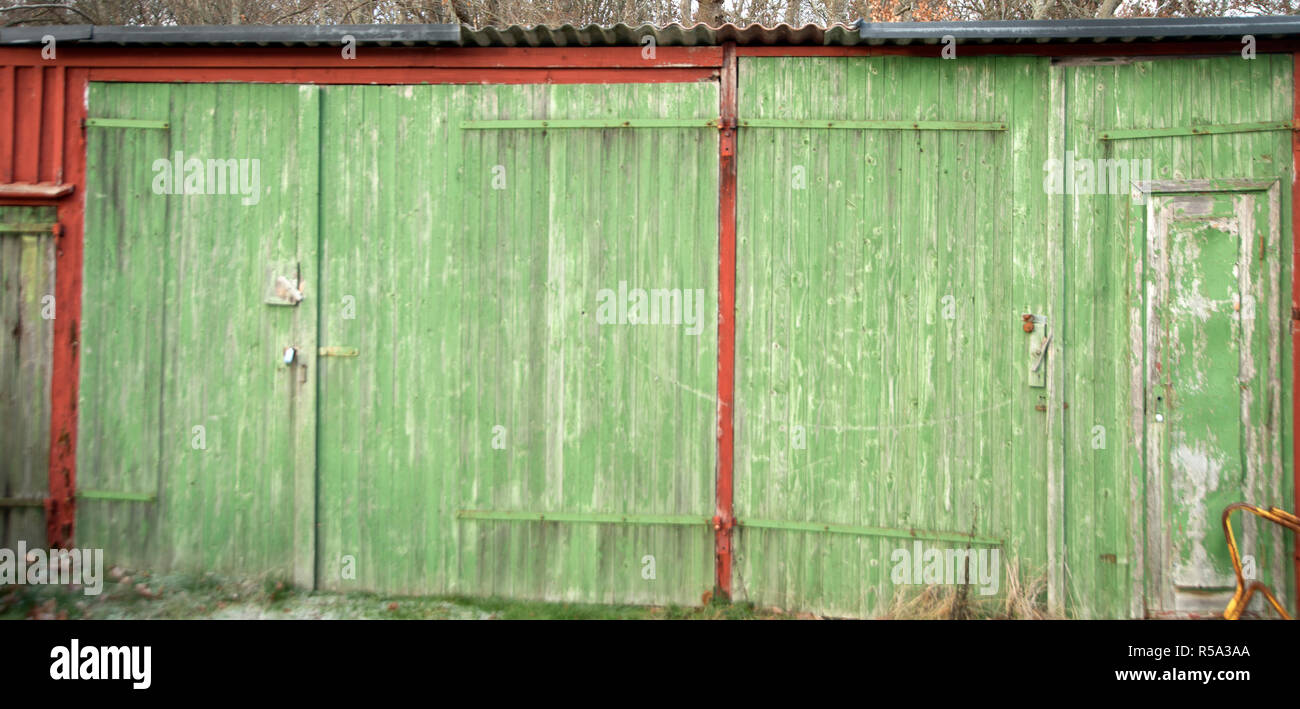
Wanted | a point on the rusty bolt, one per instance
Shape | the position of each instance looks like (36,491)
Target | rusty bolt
(1028,326)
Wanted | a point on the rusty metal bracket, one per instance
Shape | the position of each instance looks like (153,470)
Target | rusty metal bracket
(727,130)
(1241,597)
(338,352)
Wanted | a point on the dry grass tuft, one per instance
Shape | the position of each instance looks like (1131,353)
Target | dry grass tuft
(1022,597)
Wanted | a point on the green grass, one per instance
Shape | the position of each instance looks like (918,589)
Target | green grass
(197,596)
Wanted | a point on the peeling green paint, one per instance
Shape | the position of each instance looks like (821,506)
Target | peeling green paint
(491,437)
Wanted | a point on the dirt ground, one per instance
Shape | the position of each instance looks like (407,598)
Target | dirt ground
(141,595)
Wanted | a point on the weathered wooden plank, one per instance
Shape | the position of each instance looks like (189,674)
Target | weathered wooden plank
(26,332)
(306,225)
(122,325)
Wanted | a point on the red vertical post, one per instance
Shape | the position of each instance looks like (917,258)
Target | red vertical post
(59,115)
(60,507)
(723,520)
(1295,310)
(8,120)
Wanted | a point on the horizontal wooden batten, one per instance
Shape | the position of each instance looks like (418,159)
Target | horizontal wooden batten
(126,123)
(690,521)
(562,123)
(399,75)
(871,125)
(22,502)
(919,534)
(1139,133)
(116,496)
(583,518)
(27,228)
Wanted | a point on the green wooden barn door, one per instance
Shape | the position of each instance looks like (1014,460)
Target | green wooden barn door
(892,235)
(482,430)
(26,337)
(1213,407)
(196,440)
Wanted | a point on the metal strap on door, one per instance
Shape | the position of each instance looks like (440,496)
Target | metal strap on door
(796,124)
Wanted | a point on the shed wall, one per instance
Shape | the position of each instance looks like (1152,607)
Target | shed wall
(913,422)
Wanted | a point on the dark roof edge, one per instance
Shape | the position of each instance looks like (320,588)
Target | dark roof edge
(1125,29)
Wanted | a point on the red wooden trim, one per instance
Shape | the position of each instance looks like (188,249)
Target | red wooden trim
(60,508)
(724,519)
(373,57)
(28,202)
(38,137)
(1295,304)
(810,51)
(60,101)
(347,75)
(27,124)
(34,190)
(8,121)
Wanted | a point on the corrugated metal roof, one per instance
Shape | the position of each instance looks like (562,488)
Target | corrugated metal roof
(668,35)
(235,35)
(872,33)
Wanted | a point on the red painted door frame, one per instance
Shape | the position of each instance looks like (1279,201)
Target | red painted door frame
(724,518)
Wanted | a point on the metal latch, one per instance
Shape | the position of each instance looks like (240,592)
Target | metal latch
(1037,372)
(283,287)
(338,352)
